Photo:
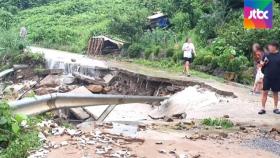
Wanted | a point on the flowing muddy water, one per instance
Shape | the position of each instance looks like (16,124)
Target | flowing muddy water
(70,62)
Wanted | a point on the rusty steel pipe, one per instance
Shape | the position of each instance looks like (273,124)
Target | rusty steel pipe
(41,104)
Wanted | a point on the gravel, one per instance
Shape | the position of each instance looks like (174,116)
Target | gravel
(265,144)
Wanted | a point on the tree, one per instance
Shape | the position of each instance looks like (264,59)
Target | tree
(6,19)
(128,27)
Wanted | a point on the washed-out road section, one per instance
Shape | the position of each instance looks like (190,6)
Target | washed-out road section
(242,109)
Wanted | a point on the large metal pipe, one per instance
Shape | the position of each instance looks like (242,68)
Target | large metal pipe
(41,104)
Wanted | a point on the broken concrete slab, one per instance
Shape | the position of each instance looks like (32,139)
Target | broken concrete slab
(96,111)
(88,79)
(108,79)
(68,79)
(80,113)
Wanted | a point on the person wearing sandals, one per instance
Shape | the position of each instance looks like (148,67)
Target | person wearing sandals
(271,81)
(189,53)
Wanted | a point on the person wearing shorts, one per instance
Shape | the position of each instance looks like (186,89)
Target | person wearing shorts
(189,52)
(271,81)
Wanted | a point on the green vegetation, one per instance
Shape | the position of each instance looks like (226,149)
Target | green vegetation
(69,24)
(172,66)
(218,122)
(7,60)
(216,28)
(16,140)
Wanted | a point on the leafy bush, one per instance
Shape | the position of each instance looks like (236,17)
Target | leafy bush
(128,26)
(158,37)
(215,62)
(31,59)
(238,64)
(135,50)
(224,123)
(178,56)
(10,127)
(207,59)
(16,140)
(10,42)
(246,76)
(24,4)
(207,27)
(156,50)
(181,21)
(6,19)
(148,52)
(218,46)
(224,60)
(198,60)
(170,52)
(20,146)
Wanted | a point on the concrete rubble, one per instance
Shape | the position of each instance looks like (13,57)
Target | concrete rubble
(105,144)
(178,105)
(101,140)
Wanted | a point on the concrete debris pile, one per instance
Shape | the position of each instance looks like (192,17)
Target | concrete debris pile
(66,83)
(14,91)
(95,142)
(24,82)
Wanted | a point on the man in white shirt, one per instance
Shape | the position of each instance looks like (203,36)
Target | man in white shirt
(189,53)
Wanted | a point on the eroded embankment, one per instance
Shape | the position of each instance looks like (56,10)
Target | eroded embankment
(112,81)
(127,82)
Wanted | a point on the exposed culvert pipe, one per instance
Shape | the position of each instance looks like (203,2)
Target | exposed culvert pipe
(41,104)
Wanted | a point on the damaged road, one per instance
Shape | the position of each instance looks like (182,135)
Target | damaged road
(171,128)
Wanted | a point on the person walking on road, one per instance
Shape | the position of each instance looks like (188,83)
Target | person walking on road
(189,53)
(271,81)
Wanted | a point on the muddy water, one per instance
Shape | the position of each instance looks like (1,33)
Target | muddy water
(127,129)
(70,62)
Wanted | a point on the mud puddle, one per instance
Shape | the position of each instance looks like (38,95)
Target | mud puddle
(129,129)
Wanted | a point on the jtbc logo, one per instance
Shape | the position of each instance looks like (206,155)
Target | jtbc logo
(258,14)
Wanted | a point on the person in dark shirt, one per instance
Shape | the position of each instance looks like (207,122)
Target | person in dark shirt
(271,81)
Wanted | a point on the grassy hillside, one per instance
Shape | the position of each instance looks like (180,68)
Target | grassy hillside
(216,27)
(69,24)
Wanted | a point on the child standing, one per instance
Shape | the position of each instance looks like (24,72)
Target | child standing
(258,54)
